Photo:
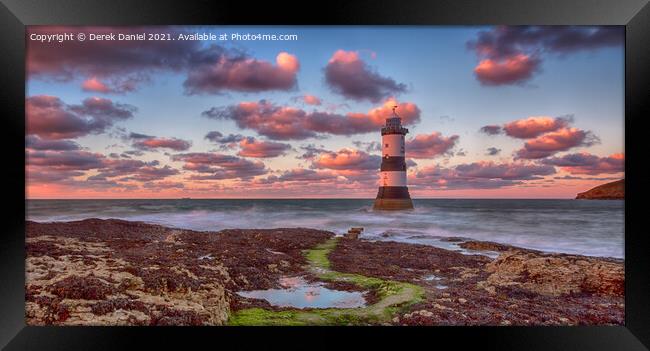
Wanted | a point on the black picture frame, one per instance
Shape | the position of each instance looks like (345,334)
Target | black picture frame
(16,14)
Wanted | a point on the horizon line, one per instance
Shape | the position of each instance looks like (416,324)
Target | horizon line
(314,198)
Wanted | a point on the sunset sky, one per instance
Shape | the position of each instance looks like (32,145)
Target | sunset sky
(493,112)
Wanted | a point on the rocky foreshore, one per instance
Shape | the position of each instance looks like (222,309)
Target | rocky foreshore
(113,272)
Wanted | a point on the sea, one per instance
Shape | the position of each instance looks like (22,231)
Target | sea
(585,227)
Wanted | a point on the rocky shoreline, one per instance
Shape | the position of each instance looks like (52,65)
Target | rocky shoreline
(114,272)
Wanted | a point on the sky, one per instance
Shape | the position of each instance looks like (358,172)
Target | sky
(492,112)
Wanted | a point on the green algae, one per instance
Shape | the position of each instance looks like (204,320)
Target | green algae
(393,295)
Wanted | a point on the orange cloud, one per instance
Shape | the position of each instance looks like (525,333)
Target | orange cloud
(511,70)
(287,62)
(409,112)
(511,54)
(285,123)
(552,142)
(347,159)
(532,127)
(311,100)
(544,135)
(94,84)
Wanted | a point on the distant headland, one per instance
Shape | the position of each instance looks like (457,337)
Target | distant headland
(610,191)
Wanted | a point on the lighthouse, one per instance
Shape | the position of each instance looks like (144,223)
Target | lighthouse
(393,193)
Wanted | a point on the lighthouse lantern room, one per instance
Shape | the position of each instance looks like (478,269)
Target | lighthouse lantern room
(393,192)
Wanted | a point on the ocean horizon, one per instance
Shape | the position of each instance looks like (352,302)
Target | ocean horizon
(585,227)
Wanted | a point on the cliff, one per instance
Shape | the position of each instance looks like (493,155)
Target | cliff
(610,191)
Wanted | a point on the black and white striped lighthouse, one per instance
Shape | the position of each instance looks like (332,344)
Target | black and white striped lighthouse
(393,193)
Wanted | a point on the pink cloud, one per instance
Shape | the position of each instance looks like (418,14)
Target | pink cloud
(226,142)
(135,170)
(104,58)
(35,143)
(585,163)
(430,145)
(285,123)
(65,159)
(311,100)
(117,85)
(251,147)
(550,143)
(512,54)
(306,175)
(95,85)
(347,160)
(544,135)
(275,122)
(478,175)
(243,75)
(511,70)
(532,127)
(151,173)
(303,182)
(508,171)
(214,166)
(121,66)
(50,118)
(165,143)
(42,175)
(63,166)
(409,112)
(351,77)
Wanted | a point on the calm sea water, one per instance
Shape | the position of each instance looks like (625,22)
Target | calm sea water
(586,227)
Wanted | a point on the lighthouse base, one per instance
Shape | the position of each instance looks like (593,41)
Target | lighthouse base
(393,204)
(393,198)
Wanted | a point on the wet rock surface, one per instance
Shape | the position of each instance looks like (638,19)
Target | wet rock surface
(113,272)
(520,287)
(557,275)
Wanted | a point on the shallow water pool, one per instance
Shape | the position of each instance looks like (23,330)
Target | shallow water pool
(298,293)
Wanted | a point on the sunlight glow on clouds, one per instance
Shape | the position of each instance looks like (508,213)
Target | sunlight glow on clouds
(279,120)
(513,54)
(291,123)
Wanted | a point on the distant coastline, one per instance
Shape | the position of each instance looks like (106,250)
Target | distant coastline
(610,191)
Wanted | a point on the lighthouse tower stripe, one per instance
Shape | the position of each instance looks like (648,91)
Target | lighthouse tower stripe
(393,164)
(392,178)
(393,145)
